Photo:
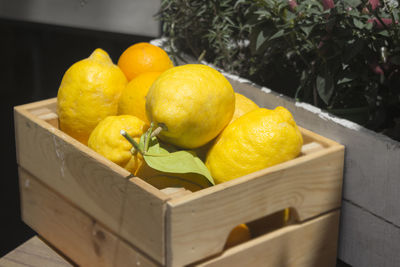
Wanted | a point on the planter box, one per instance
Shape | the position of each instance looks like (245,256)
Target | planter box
(98,214)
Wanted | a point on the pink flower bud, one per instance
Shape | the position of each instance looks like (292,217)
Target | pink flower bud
(292,4)
(328,4)
(374,4)
(376,68)
(378,24)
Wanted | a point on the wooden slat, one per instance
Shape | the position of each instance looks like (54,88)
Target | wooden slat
(311,148)
(127,257)
(70,168)
(71,231)
(174,192)
(88,180)
(34,253)
(310,244)
(198,224)
(175,229)
(144,218)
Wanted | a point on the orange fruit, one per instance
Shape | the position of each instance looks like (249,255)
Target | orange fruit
(238,235)
(143,57)
(133,98)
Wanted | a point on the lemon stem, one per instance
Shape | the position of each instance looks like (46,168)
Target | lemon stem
(156,131)
(147,137)
(130,140)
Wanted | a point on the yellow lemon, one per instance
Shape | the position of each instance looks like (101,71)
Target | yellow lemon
(88,93)
(192,102)
(256,140)
(133,98)
(243,105)
(106,139)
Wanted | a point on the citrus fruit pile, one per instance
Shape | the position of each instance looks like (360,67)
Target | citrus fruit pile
(173,126)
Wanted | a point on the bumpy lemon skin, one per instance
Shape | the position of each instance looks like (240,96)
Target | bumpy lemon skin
(106,139)
(195,102)
(256,140)
(88,93)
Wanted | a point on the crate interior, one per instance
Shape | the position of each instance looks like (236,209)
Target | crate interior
(311,142)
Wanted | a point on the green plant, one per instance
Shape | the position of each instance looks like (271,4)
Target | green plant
(334,55)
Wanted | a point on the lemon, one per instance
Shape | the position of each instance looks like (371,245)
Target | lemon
(107,140)
(133,98)
(256,140)
(193,102)
(243,105)
(88,93)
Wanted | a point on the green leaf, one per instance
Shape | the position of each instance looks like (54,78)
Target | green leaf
(325,86)
(181,161)
(344,80)
(358,23)
(384,33)
(278,34)
(307,29)
(352,3)
(260,40)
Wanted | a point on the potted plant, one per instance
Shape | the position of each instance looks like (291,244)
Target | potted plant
(342,57)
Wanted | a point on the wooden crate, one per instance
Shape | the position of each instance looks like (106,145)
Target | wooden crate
(98,214)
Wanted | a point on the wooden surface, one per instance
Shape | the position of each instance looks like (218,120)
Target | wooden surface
(34,253)
(75,233)
(135,220)
(310,244)
(67,166)
(84,178)
(199,223)
(380,240)
(143,221)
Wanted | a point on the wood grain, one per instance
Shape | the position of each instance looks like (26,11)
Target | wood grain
(70,168)
(310,244)
(127,257)
(132,209)
(114,217)
(143,220)
(71,231)
(34,253)
(198,224)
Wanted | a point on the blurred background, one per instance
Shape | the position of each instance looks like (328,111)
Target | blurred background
(39,41)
